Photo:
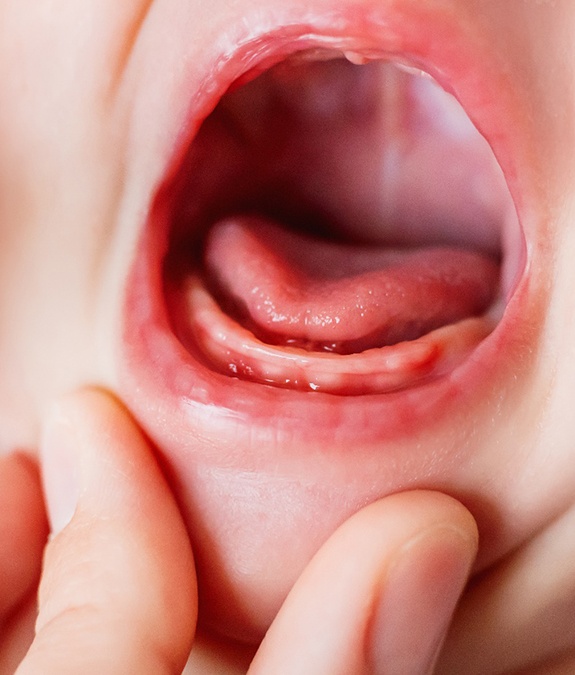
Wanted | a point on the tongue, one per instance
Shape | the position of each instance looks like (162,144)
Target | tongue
(292,289)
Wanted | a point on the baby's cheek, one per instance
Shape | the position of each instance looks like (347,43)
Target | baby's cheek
(60,167)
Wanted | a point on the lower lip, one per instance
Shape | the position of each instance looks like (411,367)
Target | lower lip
(199,418)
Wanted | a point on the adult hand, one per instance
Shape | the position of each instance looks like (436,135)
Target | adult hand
(118,591)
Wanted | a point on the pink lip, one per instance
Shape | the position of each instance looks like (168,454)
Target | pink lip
(203,422)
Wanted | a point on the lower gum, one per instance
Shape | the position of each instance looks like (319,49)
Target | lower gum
(232,350)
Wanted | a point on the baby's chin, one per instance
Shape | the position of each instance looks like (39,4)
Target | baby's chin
(340,289)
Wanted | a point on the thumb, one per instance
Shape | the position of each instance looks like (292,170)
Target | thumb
(379,595)
(118,591)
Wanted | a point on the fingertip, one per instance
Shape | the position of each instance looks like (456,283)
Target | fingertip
(380,593)
(58,453)
(415,510)
(420,589)
(66,449)
(90,440)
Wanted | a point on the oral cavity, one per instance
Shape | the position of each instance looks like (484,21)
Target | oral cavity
(349,220)
(292,289)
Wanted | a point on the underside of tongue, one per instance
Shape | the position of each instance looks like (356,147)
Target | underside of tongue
(289,288)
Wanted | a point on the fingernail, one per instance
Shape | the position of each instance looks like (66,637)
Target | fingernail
(58,453)
(419,597)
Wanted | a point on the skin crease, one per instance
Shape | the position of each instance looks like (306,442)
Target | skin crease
(83,144)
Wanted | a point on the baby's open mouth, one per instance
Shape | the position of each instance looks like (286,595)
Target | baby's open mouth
(338,225)
(336,232)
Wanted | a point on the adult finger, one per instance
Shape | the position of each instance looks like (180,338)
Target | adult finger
(379,595)
(118,590)
(23,534)
(521,613)
(23,531)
